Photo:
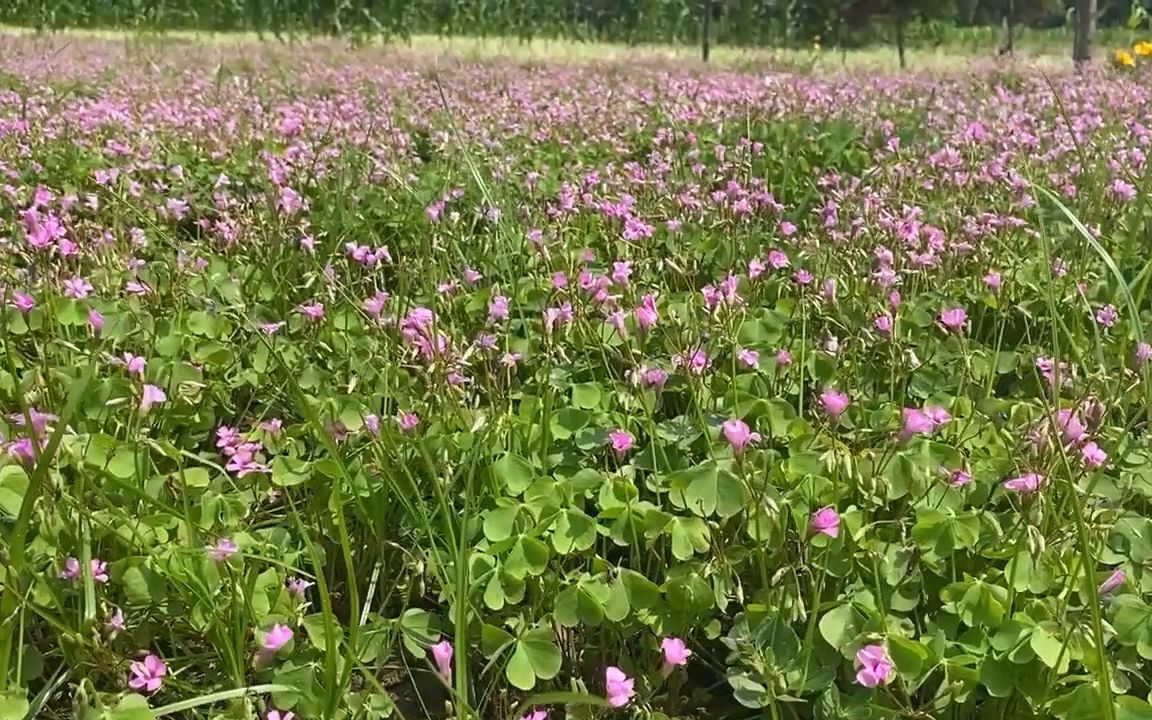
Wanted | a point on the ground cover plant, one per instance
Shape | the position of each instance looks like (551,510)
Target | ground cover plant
(343,384)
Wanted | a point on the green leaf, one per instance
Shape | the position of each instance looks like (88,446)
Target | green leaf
(642,592)
(1083,703)
(13,707)
(500,523)
(586,395)
(142,585)
(708,490)
(535,657)
(576,606)
(314,626)
(132,707)
(573,531)
(909,656)
(566,421)
(690,535)
(419,630)
(513,472)
(1132,708)
(841,626)
(1049,649)
(13,487)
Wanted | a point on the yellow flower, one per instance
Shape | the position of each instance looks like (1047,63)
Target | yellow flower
(1123,58)
(1143,49)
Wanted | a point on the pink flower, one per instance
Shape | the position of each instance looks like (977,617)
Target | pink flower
(1025,484)
(147,674)
(442,654)
(825,521)
(992,280)
(738,435)
(134,364)
(676,653)
(71,569)
(619,687)
(621,441)
(497,308)
(694,361)
(23,302)
(959,478)
(621,272)
(115,622)
(953,319)
(298,587)
(95,321)
(916,423)
(1113,581)
(646,314)
(97,568)
(872,666)
(77,288)
(883,324)
(312,311)
(937,414)
(1143,353)
(1106,316)
(277,715)
(777,259)
(748,358)
(833,402)
(783,358)
(407,421)
(151,395)
(274,640)
(222,550)
(1092,455)
(535,715)
(1071,429)
(655,377)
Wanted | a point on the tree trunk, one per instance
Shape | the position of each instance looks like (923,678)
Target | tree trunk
(1085,26)
(901,19)
(705,49)
(1009,27)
